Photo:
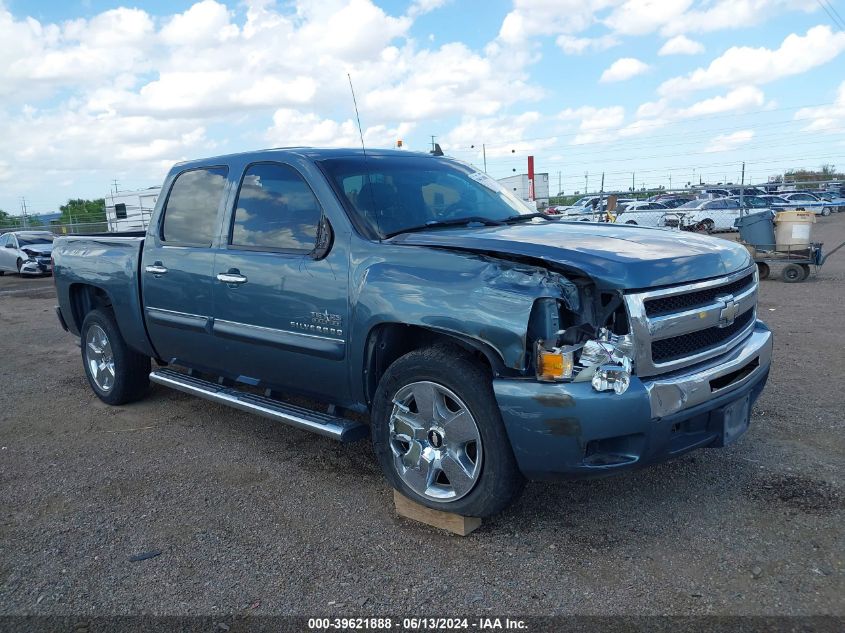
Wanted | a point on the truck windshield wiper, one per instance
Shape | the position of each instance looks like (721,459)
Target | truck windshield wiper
(528,216)
(433,224)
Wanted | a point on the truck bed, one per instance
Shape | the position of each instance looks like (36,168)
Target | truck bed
(111,264)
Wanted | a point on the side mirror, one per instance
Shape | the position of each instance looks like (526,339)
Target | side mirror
(325,238)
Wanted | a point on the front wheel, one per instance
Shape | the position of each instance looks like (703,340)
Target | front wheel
(826,211)
(439,436)
(19,265)
(763,269)
(117,373)
(708,226)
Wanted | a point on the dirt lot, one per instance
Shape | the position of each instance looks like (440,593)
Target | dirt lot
(251,516)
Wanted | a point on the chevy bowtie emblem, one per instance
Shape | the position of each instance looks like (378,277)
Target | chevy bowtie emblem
(727,313)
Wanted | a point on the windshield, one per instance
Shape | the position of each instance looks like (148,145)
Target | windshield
(32,240)
(395,193)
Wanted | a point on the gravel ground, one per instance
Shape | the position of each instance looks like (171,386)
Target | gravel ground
(253,517)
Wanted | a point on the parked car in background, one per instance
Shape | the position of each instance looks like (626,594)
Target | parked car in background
(807,201)
(26,252)
(641,213)
(751,202)
(837,201)
(717,214)
(775,201)
(672,202)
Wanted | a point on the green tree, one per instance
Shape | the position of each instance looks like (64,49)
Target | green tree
(80,211)
(8,221)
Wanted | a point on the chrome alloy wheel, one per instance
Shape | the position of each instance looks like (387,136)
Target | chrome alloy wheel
(435,442)
(98,355)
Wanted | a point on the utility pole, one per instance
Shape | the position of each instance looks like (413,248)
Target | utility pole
(432,142)
(633,184)
(484,153)
(586,182)
(742,190)
(670,181)
(114,184)
(559,185)
(23,212)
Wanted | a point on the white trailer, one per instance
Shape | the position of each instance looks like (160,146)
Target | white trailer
(131,210)
(518,186)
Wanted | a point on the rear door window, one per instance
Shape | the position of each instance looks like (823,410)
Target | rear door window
(190,215)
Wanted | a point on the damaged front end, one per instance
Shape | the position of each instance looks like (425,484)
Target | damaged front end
(586,342)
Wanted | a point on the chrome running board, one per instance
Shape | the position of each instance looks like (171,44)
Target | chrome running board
(336,428)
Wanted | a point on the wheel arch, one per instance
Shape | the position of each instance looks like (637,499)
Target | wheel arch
(386,342)
(83,299)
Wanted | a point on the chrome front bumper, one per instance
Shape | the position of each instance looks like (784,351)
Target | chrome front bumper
(719,377)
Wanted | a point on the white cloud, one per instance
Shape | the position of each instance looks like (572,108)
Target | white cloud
(742,98)
(826,118)
(124,92)
(746,65)
(728,142)
(681,45)
(572,45)
(292,127)
(731,14)
(594,123)
(420,7)
(466,138)
(549,17)
(624,68)
(639,17)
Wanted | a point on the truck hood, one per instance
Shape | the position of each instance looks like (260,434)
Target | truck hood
(615,256)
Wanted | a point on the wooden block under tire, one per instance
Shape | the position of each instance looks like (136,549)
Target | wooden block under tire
(454,523)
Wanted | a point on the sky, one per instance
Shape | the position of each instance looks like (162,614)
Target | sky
(650,92)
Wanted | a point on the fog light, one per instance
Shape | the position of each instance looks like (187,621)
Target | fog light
(614,378)
(555,364)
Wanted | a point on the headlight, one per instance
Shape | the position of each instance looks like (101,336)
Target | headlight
(607,362)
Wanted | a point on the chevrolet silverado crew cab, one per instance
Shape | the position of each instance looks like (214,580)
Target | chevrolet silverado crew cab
(411,299)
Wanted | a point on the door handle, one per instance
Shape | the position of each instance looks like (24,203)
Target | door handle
(232,278)
(157,269)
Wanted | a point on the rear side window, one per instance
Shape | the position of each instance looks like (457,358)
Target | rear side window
(275,210)
(190,216)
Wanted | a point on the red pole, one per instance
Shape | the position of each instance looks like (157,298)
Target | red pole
(531,178)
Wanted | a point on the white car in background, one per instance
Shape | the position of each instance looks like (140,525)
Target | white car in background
(26,252)
(641,213)
(808,201)
(716,214)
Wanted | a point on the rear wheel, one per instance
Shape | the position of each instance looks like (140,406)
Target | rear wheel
(763,270)
(792,273)
(439,436)
(116,373)
(806,268)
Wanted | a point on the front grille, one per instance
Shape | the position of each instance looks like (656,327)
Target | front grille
(670,349)
(678,303)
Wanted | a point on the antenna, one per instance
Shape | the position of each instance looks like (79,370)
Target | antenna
(363,149)
(357,116)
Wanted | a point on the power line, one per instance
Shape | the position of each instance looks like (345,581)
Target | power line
(836,23)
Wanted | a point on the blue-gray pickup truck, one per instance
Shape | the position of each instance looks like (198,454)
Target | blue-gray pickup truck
(411,299)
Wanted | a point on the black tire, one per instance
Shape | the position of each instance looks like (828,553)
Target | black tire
(131,369)
(631,222)
(708,226)
(500,482)
(2,272)
(20,264)
(763,270)
(806,268)
(825,211)
(792,273)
